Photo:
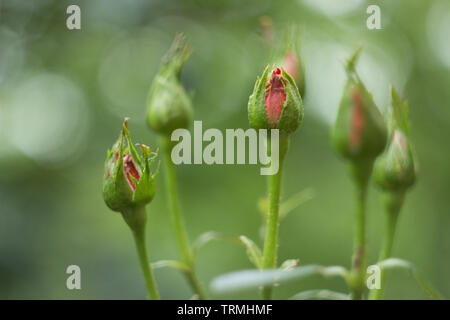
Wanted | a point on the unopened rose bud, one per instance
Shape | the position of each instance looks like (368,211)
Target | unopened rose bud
(127,181)
(359,133)
(168,105)
(275,102)
(395,169)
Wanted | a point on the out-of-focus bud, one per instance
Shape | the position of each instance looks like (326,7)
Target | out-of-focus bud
(266,25)
(359,133)
(275,102)
(285,50)
(294,66)
(289,57)
(128,181)
(395,169)
(168,105)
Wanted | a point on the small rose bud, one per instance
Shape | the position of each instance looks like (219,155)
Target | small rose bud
(275,102)
(395,169)
(359,133)
(127,181)
(168,105)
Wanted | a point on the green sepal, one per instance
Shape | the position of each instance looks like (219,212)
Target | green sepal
(257,115)
(145,188)
(350,66)
(398,117)
(131,147)
(116,190)
(179,52)
(292,113)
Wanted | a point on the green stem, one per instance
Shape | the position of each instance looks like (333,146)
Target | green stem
(184,246)
(136,219)
(361,174)
(393,202)
(271,240)
(195,283)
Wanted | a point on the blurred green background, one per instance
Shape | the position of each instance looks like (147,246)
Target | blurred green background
(63,95)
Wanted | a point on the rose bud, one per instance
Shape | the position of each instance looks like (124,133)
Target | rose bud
(128,181)
(359,133)
(168,105)
(395,169)
(275,102)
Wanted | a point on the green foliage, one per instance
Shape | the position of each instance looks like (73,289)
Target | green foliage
(395,263)
(253,252)
(253,279)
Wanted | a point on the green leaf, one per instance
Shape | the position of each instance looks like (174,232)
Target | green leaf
(289,264)
(133,151)
(205,238)
(294,201)
(254,278)
(253,252)
(395,263)
(171,264)
(321,294)
(288,205)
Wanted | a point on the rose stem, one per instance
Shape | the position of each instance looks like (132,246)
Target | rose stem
(137,219)
(177,218)
(393,202)
(271,240)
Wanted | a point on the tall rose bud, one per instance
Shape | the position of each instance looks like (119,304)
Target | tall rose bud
(128,185)
(359,133)
(395,169)
(275,102)
(168,105)
(395,173)
(127,181)
(169,108)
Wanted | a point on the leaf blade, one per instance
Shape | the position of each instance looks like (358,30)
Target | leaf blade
(320,294)
(395,263)
(171,264)
(254,278)
(253,252)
